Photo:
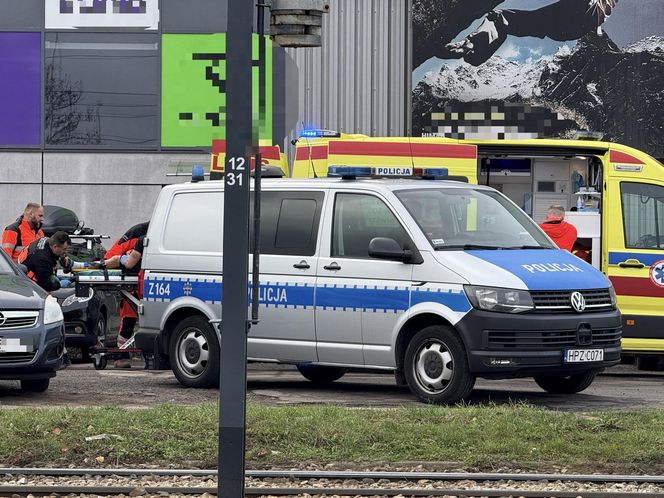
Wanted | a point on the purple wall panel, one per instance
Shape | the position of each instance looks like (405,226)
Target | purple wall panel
(20,88)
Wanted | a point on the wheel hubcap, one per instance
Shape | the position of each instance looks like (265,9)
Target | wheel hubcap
(434,367)
(193,352)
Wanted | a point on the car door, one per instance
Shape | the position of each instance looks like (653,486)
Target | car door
(290,223)
(634,239)
(359,300)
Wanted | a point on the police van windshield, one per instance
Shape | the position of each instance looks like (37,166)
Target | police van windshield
(460,218)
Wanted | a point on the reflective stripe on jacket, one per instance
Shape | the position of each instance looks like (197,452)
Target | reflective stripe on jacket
(18,236)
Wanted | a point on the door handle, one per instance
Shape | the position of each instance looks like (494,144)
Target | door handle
(332,266)
(631,263)
(302,265)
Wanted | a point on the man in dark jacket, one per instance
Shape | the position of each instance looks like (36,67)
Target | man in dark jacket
(41,259)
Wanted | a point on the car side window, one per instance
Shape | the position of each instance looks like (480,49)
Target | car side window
(643,215)
(289,222)
(358,218)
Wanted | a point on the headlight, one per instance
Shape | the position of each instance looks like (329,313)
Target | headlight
(52,311)
(614,298)
(501,300)
(75,299)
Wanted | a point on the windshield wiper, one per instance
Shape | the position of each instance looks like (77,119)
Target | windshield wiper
(467,247)
(528,247)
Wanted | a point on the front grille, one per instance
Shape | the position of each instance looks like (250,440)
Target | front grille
(543,340)
(559,301)
(18,319)
(16,357)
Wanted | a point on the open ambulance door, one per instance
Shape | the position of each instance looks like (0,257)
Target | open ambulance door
(633,247)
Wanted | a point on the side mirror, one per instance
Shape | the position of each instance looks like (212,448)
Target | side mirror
(388,248)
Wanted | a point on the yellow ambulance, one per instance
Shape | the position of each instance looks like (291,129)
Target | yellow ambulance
(612,193)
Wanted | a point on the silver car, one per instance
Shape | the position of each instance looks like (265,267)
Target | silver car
(32,335)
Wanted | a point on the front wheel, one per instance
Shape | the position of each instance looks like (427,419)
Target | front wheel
(194,353)
(35,385)
(436,366)
(321,375)
(566,384)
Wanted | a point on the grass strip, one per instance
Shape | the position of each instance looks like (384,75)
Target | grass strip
(472,437)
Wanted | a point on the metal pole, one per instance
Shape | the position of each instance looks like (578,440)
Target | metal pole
(255,281)
(235,325)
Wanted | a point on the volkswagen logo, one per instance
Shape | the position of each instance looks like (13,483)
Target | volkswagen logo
(2,319)
(578,301)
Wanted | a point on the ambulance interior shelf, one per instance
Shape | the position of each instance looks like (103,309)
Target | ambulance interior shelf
(588,229)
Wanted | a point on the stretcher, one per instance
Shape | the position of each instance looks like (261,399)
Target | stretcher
(111,281)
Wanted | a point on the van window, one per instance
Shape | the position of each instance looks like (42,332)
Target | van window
(643,215)
(289,222)
(194,223)
(358,218)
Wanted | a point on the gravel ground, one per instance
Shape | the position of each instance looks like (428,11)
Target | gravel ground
(139,483)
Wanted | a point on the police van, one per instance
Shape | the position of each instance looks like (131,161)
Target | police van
(438,281)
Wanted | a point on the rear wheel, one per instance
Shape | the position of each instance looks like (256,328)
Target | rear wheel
(320,374)
(436,366)
(566,384)
(194,353)
(35,385)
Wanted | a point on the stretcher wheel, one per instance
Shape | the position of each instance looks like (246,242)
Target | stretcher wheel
(100,362)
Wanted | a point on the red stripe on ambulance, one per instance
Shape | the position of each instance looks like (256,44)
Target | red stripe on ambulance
(402,149)
(636,286)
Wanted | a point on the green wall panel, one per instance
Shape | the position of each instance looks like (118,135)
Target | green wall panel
(194,90)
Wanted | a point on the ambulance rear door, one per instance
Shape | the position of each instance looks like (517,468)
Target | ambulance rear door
(633,246)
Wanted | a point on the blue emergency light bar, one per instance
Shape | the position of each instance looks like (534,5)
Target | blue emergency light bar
(353,172)
(314,133)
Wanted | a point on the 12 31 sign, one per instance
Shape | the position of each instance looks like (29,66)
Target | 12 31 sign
(235,171)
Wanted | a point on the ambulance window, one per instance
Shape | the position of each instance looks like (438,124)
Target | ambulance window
(191,224)
(289,222)
(643,215)
(358,218)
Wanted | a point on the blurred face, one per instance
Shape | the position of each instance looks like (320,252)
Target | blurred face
(36,216)
(60,250)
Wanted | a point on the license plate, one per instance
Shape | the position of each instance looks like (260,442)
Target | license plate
(14,345)
(583,355)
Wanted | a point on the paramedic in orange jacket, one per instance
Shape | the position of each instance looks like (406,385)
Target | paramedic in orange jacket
(128,317)
(561,232)
(26,229)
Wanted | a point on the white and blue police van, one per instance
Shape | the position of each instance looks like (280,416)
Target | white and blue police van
(438,281)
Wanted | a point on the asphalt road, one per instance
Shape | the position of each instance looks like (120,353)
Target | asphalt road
(620,388)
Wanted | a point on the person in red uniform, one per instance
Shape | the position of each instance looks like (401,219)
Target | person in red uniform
(561,232)
(128,317)
(26,229)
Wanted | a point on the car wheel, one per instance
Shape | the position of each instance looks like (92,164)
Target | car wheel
(566,384)
(321,375)
(194,353)
(35,385)
(436,366)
